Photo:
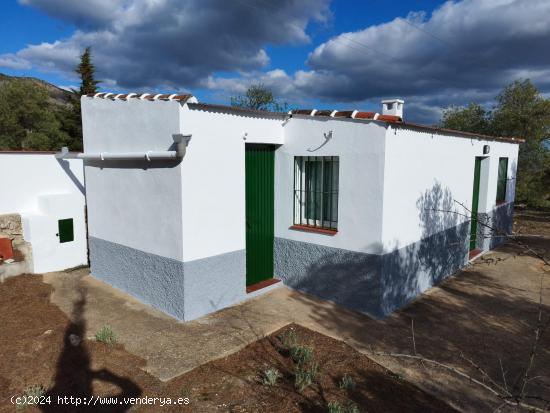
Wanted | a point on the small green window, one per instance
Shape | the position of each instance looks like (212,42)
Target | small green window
(502,179)
(66,230)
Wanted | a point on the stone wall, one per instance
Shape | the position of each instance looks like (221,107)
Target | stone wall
(11,227)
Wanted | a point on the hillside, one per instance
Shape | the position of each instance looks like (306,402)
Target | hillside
(57,95)
(36,115)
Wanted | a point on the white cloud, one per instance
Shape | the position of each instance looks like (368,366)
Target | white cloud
(463,51)
(169,43)
(476,45)
(14,62)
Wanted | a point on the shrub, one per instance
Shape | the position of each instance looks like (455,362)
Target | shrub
(270,377)
(106,335)
(301,354)
(288,338)
(335,407)
(185,392)
(31,395)
(347,383)
(305,374)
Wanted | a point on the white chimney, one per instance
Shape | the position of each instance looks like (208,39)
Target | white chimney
(393,107)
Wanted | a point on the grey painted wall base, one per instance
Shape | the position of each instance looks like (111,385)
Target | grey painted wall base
(214,283)
(502,219)
(411,270)
(153,279)
(372,284)
(349,278)
(183,290)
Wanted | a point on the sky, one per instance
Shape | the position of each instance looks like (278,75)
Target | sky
(322,54)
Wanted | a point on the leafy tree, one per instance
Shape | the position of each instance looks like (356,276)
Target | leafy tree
(26,121)
(258,97)
(473,118)
(520,111)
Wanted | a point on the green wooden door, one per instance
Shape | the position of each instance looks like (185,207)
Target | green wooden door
(475,203)
(260,171)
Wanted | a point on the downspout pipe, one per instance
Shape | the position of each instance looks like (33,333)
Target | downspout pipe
(181,141)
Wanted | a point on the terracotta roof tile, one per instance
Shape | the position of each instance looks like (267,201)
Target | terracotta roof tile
(301,111)
(323,113)
(389,118)
(365,115)
(398,121)
(142,96)
(344,114)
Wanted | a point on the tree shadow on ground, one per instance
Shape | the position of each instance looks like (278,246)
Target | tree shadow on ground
(486,313)
(74,376)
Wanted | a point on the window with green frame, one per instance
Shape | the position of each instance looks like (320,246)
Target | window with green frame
(502,179)
(316,191)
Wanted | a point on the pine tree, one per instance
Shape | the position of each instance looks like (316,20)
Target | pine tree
(86,71)
(72,118)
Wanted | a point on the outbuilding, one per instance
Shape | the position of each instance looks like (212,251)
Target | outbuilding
(42,213)
(194,207)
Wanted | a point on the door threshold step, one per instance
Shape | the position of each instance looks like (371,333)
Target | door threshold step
(474,253)
(262,284)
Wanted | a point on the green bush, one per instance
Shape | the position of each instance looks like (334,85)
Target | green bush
(347,383)
(301,354)
(335,407)
(306,374)
(106,335)
(31,394)
(288,338)
(270,377)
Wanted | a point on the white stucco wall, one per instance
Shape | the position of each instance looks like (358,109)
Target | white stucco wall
(360,146)
(44,190)
(25,176)
(419,161)
(213,178)
(131,203)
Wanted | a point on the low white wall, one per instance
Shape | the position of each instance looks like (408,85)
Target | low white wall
(25,176)
(44,190)
(428,171)
(360,146)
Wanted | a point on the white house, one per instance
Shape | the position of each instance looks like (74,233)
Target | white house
(190,203)
(42,210)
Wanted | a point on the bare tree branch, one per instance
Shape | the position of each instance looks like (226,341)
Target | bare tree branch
(484,374)
(506,399)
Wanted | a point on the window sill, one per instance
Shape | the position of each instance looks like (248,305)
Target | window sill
(306,228)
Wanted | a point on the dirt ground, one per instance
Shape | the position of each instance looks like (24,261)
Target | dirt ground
(487,314)
(532,222)
(38,347)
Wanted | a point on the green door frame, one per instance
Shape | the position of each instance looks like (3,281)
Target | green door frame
(260,200)
(475,203)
